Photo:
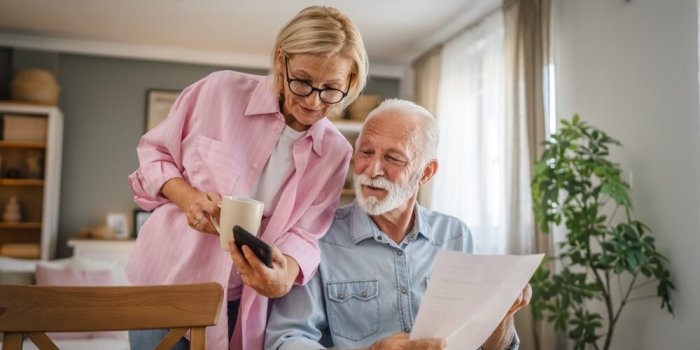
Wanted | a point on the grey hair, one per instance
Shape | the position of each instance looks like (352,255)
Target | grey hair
(426,143)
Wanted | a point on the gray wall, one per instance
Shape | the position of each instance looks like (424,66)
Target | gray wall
(103,101)
(631,68)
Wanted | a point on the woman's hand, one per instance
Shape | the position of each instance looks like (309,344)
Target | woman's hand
(201,206)
(197,206)
(271,282)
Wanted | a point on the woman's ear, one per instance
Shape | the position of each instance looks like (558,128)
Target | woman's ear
(279,61)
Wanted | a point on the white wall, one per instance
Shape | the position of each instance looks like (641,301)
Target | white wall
(631,68)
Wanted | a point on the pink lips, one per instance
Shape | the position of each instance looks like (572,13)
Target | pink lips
(373,190)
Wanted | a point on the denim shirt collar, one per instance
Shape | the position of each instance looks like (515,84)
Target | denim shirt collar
(362,227)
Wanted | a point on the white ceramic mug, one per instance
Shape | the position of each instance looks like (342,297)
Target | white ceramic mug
(241,211)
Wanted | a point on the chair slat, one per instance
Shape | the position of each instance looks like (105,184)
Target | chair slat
(198,338)
(46,308)
(33,310)
(171,338)
(42,341)
(12,341)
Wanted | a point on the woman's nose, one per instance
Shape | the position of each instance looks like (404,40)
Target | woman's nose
(314,99)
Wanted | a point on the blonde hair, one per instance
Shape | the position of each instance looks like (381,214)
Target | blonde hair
(323,31)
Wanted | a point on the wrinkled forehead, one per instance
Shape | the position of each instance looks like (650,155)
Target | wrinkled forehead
(391,131)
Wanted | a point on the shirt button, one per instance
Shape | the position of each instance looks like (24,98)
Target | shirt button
(399,252)
(407,330)
(364,294)
(341,296)
(255,165)
(403,290)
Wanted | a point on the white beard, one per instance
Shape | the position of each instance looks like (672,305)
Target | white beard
(395,197)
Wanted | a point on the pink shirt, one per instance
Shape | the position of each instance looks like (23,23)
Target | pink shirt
(218,137)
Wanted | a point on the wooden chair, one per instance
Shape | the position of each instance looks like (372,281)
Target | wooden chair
(32,310)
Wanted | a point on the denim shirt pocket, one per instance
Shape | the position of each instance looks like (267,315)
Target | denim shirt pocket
(353,309)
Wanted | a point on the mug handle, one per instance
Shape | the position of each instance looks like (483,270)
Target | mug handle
(213,222)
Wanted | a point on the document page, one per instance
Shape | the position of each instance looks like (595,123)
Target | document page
(468,296)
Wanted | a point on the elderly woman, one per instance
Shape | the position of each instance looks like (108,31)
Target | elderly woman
(261,137)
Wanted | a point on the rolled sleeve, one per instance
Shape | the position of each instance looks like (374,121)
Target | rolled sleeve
(515,344)
(146,182)
(160,152)
(303,251)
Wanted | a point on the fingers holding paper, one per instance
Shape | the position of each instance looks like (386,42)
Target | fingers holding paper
(503,336)
(400,341)
(521,301)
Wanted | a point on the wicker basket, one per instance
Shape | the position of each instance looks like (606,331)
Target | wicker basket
(36,86)
(359,108)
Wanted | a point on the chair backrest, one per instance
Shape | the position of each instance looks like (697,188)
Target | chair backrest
(32,310)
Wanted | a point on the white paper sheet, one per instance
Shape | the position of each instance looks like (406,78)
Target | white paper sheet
(468,296)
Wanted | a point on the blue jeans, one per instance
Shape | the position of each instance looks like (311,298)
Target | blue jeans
(149,339)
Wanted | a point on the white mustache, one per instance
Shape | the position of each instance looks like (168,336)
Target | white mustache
(378,182)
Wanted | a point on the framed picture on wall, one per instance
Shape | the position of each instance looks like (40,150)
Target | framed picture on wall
(140,217)
(158,103)
(118,222)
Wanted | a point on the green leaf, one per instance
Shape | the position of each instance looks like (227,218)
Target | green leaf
(576,185)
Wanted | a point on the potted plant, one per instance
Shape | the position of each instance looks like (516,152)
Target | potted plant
(603,253)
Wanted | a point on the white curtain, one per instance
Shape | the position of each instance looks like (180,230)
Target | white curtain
(426,73)
(476,169)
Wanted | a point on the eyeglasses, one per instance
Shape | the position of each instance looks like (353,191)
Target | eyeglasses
(304,88)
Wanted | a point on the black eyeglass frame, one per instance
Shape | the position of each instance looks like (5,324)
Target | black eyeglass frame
(314,89)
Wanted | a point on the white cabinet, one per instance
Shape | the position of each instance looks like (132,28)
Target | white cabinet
(30,171)
(113,251)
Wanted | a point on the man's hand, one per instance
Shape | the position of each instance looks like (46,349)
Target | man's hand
(400,341)
(502,336)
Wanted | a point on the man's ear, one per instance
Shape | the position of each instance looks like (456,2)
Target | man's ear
(429,171)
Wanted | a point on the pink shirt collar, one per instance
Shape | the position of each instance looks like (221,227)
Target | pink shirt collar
(263,102)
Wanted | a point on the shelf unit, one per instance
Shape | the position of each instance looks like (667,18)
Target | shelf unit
(351,130)
(35,235)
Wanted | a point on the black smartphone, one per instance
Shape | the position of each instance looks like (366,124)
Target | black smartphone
(261,249)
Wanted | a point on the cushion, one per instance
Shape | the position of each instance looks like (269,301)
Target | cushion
(47,275)
(75,272)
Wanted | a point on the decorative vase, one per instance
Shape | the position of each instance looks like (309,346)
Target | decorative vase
(12,211)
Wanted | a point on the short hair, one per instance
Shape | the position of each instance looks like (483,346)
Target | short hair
(323,31)
(426,143)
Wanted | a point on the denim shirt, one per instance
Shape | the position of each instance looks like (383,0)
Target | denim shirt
(367,287)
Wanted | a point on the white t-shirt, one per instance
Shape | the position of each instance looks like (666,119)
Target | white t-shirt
(277,170)
(267,189)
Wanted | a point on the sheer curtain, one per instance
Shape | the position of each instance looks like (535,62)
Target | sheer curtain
(472,180)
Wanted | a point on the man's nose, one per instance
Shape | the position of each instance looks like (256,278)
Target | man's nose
(374,167)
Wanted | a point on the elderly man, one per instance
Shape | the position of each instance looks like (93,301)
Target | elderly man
(377,256)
